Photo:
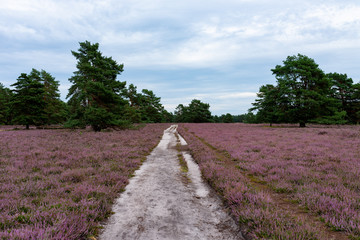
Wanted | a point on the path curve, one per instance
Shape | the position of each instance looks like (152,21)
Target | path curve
(159,204)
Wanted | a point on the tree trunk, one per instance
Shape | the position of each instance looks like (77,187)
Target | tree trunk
(27,127)
(302,124)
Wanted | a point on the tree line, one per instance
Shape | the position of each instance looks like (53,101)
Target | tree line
(95,98)
(305,94)
(35,100)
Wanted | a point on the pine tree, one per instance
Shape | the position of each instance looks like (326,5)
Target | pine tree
(28,101)
(5,98)
(95,96)
(54,110)
(305,88)
(196,112)
(269,104)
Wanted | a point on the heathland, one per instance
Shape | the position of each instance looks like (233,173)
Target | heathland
(60,184)
(279,182)
(283,182)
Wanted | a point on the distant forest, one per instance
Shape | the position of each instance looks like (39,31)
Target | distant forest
(303,94)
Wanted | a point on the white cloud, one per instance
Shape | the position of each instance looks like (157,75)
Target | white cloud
(215,42)
(127,38)
(49,61)
(162,35)
(18,31)
(236,95)
(339,16)
(216,95)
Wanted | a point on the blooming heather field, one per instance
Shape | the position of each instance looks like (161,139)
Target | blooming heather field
(60,184)
(284,182)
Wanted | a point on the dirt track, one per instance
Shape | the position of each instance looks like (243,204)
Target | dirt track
(159,204)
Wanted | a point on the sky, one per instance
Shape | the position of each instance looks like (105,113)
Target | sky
(219,52)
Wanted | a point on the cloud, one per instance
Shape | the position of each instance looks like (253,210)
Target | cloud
(178,33)
(225,95)
(17,31)
(127,38)
(236,95)
(336,16)
(220,51)
(217,42)
(48,60)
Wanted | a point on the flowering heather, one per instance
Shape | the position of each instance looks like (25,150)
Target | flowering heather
(12,127)
(60,184)
(317,168)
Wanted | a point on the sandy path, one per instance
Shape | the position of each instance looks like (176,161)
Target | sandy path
(159,204)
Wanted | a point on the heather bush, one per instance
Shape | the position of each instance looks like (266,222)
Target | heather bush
(60,184)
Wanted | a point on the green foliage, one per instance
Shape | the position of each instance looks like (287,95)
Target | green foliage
(5,99)
(99,118)
(228,118)
(34,101)
(346,94)
(132,114)
(225,118)
(167,116)
(196,112)
(341,87)
(245,118)
(96,98)
(249,118)
(304,93)
(96,95)
(74,123)
(337,118)
(151,106)
(55,110)
(144,106)
(28,102)
(353,106)
(304,87)
(269,104)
